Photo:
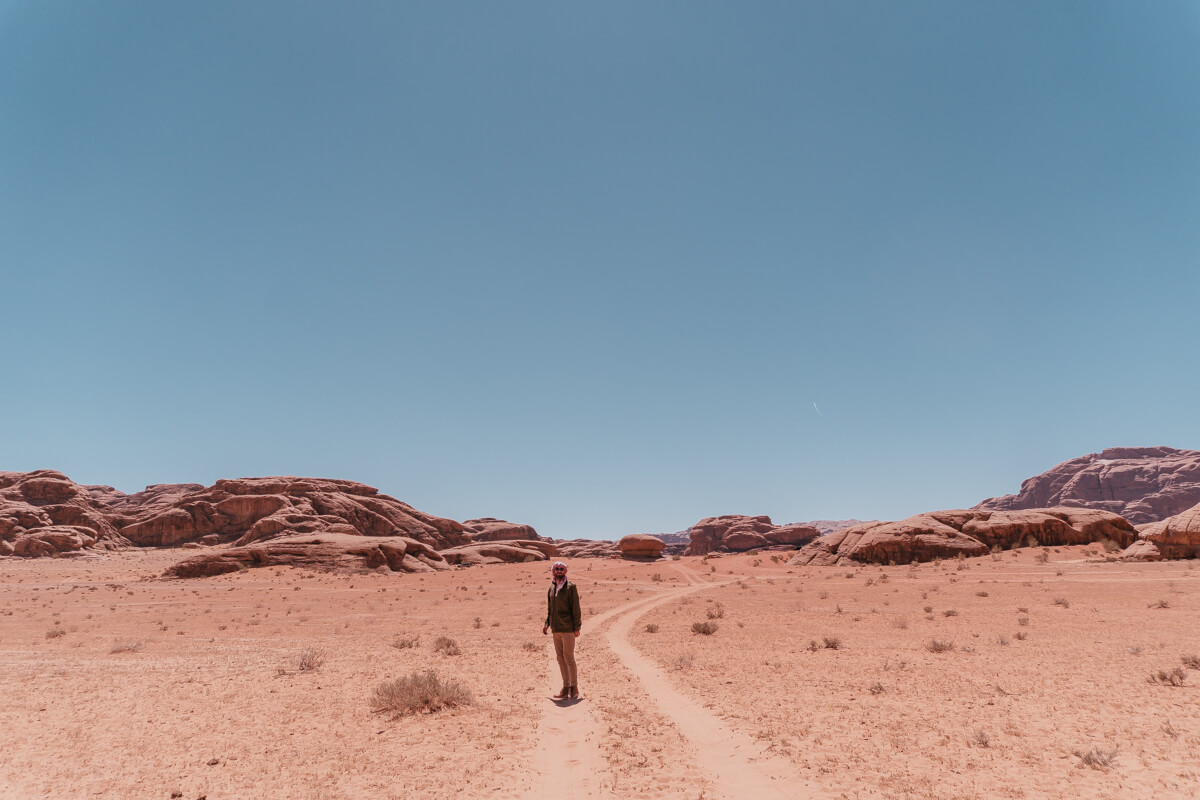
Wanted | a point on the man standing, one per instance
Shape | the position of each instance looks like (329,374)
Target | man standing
(564,618)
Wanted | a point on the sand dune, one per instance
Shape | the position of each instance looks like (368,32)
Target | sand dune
(818,682)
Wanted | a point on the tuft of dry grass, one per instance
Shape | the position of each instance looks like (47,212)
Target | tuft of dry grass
(651,627)
(705,628)
(939,645)
(55,633)
(1097,758)
(681,662)
(310,659)
(1160,604)
(981,739)
(716,611)
(1062,601)
(1164,677)
(446,646)
(126,647)
(832,642)
(406,642)
(419,692)
(1191,662)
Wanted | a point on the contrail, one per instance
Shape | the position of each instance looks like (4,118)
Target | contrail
(817,409)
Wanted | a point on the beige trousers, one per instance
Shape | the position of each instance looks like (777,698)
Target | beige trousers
(564,650)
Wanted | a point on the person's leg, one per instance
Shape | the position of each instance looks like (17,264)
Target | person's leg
(560,653)
(570,671)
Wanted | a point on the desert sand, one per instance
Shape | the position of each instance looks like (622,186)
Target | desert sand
(818,682)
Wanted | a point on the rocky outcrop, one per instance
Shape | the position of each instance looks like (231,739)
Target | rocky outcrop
(736,533)
(44,513)
(1173,537)
(503,552)
(587,548)
(490,529)
(326,551)
(641,546)
(947,534)
(1141,484)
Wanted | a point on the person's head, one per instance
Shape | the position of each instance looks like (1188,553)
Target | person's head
(558,570)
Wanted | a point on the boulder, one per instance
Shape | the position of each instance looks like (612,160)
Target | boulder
(641,545)
(1141,484)
(1174,537)
(52,541)
(967,532)
(735,533)
(326,552)
(587,548)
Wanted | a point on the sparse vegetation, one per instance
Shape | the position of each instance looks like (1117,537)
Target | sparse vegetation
(813,646)
(1020,636)
(310,659)
(716,611)
(657,577)
(928,609)
(1164,677)
(981,739)
(1191,662)
(682,661)
(1002,640)
(939,646)
(478,623)
(1160,604)
(950,612)
(406,642)
(531,647)
(446,646)
(55,633)
(981,593)
(651,627)
(1097,758)
(126,647)
(705,628)
(420,691)
(832,642)
(877,688)
(1062,601)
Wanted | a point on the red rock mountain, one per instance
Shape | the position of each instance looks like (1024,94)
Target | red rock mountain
(735,533)
(1173,537)
(1142,484)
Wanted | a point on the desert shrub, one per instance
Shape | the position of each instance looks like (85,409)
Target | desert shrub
(1160,604)
(657,577)
(420,691)
(928,609)
(705,628)
(1042,557)
(813,646)
(310,659)
(126,647)
(446,646)
(823,595)
(478,623)
(1020,636)
(406,642)
(877,688)
(55,633)
(717,611)
(531,647)
(981,594)
(1023,621)
(1170,730)
(682,661)
(939,646)
(1002,640)
(981,739)
(1097,758)
(832,642)
(1191,662)
(900,622)
(1062,601)
(1109,545)
(950,612)
(1172,677)
(651,627)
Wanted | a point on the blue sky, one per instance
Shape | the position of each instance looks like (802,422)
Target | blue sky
(602,268)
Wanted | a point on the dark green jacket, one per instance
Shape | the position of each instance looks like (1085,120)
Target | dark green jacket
(562,609)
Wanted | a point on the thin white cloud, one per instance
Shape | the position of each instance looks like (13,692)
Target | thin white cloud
(817,409)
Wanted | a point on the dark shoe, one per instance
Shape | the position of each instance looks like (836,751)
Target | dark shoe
(574,692)
(563,693)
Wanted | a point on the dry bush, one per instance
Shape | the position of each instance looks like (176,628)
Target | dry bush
(1062,601)
(1097,758)
(1163,677)
(420,691)
(1191,662)
(823,595)
(1002,640)
(651,627)
(1022,621)
(950,612)
(446,646)
(1109,545)
(901,623)
(717,611)
(1020,636)
(981,594)
(939,646)
(310,659)
(657,577)
(1160,604)
(478,623)
(531,647)
(927,609)
(55,633)
(706,628)
(1042,557)
(832,642)
(877,688)
(1170,730)
(126,647)
(406,642)
(981,739)
(682,661)
(813,646)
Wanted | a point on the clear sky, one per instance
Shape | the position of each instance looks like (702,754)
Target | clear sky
(602,268)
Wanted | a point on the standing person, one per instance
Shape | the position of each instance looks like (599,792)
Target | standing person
(565,619)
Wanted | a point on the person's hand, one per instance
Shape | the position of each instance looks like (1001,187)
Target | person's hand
(576,634)
(545,629)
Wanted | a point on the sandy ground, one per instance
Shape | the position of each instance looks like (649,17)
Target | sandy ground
(818,682)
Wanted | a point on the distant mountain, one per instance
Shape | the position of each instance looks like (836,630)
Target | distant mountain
(1142,484)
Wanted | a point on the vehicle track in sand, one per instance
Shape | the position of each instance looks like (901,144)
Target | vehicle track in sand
(569,758)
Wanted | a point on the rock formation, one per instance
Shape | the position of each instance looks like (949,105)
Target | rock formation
(735,533)
(325,551)
(641,545)
(586,548)
(946,534)
(1173,537)
(508,551)
(1142,484)
(490,529)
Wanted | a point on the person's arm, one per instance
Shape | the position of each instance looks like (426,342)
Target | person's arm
(576,614)
(549,603)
